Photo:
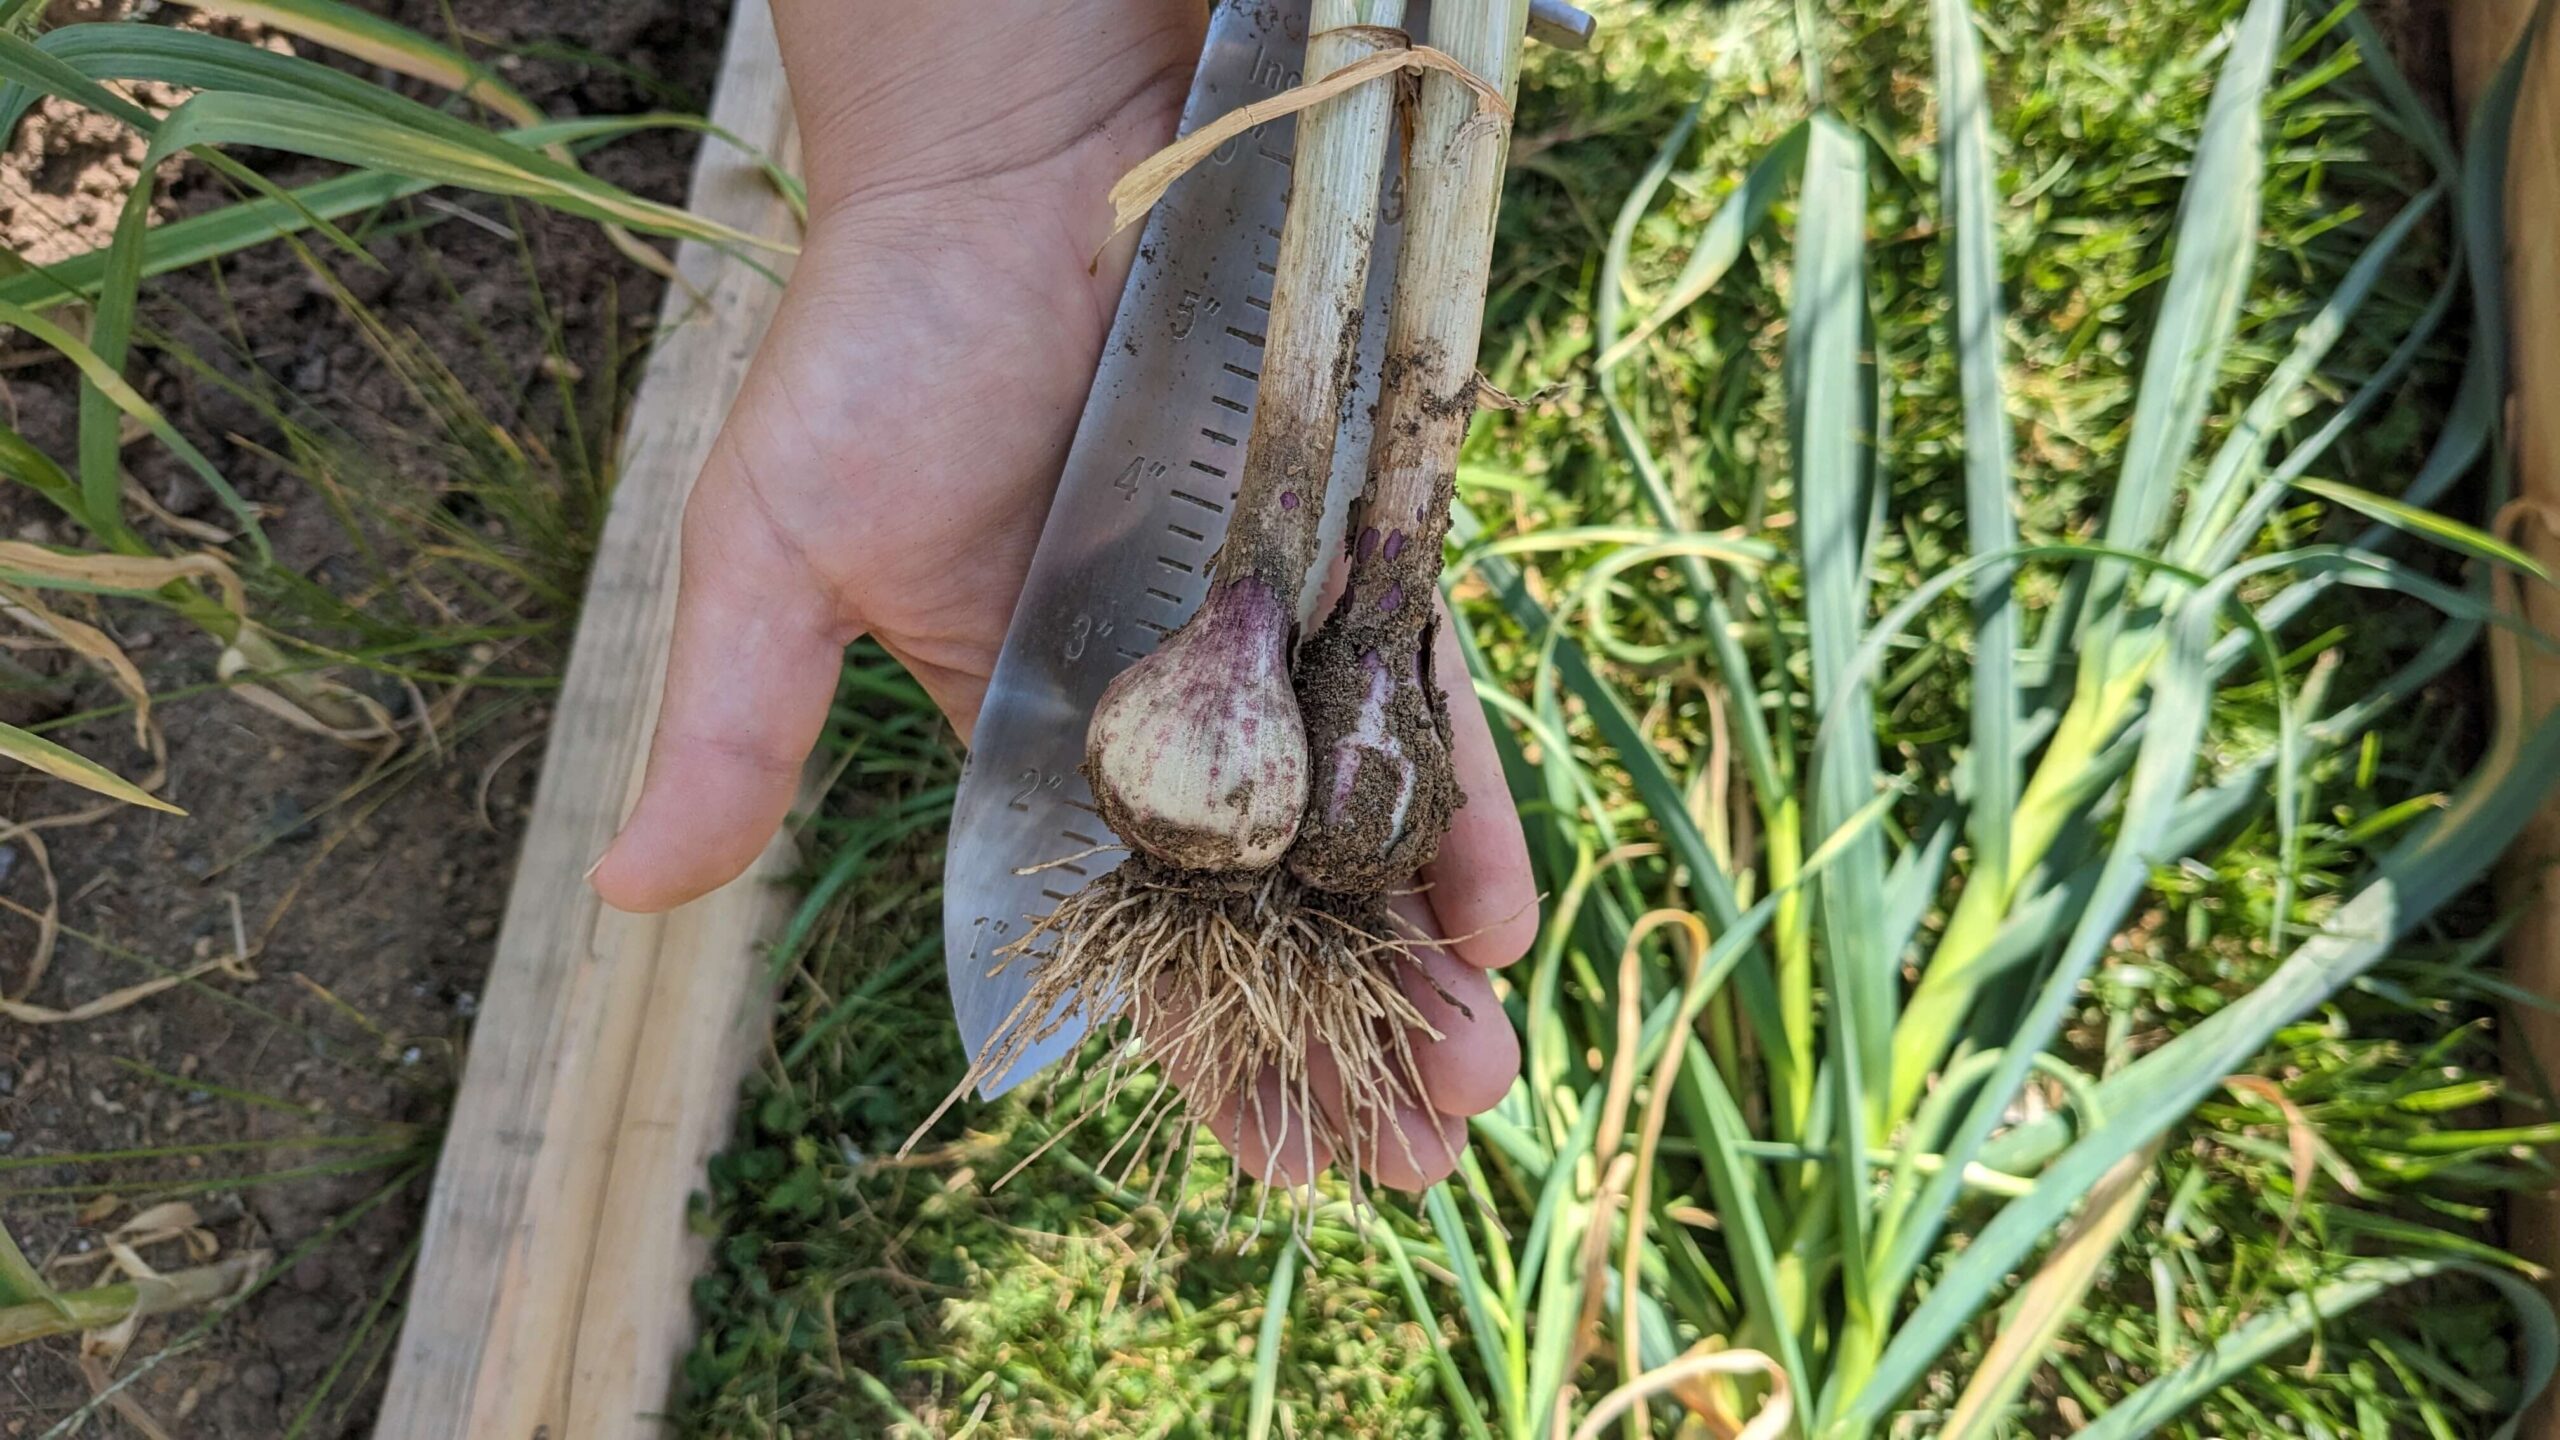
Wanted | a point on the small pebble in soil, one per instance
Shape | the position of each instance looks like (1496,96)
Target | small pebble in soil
(287,821)
(8,1141)
(466,1004)
(260,1379)
(8,1080)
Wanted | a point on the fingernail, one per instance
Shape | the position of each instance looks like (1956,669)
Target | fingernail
(598,865)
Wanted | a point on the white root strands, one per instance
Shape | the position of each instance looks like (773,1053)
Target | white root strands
(1219,989)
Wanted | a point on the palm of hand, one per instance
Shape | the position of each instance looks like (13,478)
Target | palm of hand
(924,385)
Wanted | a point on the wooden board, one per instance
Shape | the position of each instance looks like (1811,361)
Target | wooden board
(2484,32)
(551,1297)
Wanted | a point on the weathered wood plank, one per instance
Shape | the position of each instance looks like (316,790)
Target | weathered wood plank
(2484,33)
(552,1290)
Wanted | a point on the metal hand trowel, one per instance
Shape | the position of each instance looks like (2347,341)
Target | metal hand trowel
(1141,508)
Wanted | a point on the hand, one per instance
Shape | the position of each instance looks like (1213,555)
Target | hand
(889,461)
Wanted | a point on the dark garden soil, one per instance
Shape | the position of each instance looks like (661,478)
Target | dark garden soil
(370,919)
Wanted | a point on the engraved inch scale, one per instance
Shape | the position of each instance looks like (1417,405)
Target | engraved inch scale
(1142,505)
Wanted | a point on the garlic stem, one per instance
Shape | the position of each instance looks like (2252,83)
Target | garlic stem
(1319,300)
(1380,786)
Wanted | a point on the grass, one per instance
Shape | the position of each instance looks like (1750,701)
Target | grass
(422,610)
(2347,1162)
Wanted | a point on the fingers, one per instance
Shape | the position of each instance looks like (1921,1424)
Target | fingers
(1482,889)
(1470,1067)
(1268,1134)
(749,678)
(1403,1143)
(1264,1126)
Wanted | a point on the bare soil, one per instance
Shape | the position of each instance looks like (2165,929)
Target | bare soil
(370,922)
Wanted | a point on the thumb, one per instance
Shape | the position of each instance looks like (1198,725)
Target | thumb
(749,678)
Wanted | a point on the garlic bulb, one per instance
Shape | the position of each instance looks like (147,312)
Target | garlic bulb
(1196,753)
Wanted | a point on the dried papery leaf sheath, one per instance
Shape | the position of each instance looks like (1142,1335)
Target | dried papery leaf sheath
(1381,787)
(1196,753)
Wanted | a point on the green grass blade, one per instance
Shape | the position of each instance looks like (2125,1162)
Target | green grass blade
(1558,1313)
(2415,520)
(118,50)
(1608,305)
(179,244)
(473,159)
(1654,784)
(2482,202)
(1267,1343)
(21,1283)
(1486,1322)
(2209,524)
(370,38)
(2415,114)
(198,61)
(2462,438)
(2212,262)
(1827,342)
(1674,1013)
(1912,886)
(2213,254)
(2300,1316)
(2170,746)
(1453,1386)
(38,753)
(101,443)
(1555,1196)
(122,399)
(24,463)
(1719,244)
(198,238)
(30,71)
(1760,753)
(1970,202)
(1744,1207)
(2038,1318)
